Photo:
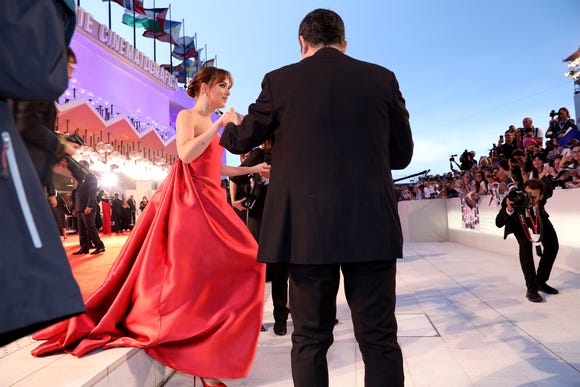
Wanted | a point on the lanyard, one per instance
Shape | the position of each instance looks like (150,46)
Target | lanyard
(535,223)
(534,237)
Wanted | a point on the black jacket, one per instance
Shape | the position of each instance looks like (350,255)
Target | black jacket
(339,126)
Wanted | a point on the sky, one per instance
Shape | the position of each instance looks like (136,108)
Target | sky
(467,69)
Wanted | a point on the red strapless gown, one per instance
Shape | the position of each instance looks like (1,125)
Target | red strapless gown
(186,286)
(106,217)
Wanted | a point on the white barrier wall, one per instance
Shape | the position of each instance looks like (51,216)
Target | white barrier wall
(438,220)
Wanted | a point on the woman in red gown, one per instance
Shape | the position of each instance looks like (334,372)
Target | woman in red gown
(186,286)
(106,205)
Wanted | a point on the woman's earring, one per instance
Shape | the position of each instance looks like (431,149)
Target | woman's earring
(204,106)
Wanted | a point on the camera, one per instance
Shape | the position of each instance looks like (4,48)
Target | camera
(77,171)
(452,157)
(553,114)
(76,139)
(520,198)
(249,202)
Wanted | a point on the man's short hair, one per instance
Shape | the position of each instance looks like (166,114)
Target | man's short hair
(536,184)
(322,26)
(504,164)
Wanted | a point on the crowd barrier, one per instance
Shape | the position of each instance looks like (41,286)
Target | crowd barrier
(440,220)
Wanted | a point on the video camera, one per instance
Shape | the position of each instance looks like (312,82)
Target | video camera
(452,157)
(553,114)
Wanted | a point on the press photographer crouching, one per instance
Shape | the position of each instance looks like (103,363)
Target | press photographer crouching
(523,214)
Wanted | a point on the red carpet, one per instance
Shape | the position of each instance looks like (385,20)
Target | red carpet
(90,270)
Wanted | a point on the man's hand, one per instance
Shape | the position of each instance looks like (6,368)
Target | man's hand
(88,211)
(509,204)
(52,201)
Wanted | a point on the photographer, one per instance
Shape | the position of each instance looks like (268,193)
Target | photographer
(35,120)
(467,160)
(36,281)
(253,203)
(523,214)
(560,122)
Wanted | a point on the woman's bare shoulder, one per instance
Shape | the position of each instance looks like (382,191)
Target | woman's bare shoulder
(187,115)
(186,119)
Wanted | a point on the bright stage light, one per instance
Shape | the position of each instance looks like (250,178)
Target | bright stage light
(109,179)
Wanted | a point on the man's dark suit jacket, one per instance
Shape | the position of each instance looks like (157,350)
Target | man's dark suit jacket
(86,193)
(339,125)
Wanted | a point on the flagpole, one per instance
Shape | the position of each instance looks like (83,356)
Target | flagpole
(205,49)
(170,45)
(109,14)
(154,32)
(195,45)
(134,28)
(183,61)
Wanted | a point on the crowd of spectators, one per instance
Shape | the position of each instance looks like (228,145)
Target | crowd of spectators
(518,155)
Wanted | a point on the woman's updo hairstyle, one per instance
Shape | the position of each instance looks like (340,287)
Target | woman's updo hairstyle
(210,76)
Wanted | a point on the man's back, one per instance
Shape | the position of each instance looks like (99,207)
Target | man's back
(341,126)
(338,126)
(341,108)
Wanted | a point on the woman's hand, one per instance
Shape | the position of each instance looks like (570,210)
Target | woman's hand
(231,116)
(261,168)
(547,171)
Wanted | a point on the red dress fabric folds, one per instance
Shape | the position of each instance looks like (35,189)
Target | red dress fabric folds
(106,205)
(186,286)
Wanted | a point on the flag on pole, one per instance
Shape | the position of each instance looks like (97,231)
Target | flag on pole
(170,33)
(130,4)
(186,69)
(152,19)
(186,48)
(209,63)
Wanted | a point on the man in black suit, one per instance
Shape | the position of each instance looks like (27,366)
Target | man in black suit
(132,209)
(339,125)
(530,224)
(86,208)
(117,213)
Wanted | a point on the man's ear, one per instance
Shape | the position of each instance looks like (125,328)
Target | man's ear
(304,46)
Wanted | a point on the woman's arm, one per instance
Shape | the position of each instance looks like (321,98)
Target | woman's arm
(228,170)
(190,146)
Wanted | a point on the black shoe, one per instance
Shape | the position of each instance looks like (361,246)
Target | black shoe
(280,328)
(534,296)
(81,251)
(99,250)
(262,328)
(545,288)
